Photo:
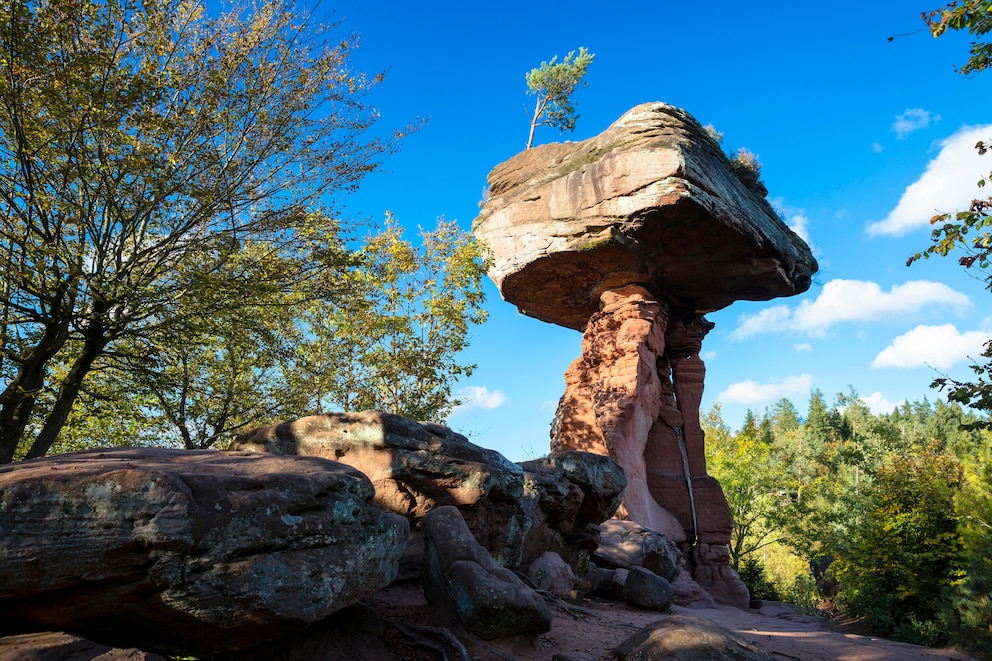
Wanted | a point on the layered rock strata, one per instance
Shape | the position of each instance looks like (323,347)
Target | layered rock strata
(652,200)
(188,552)
(631,237)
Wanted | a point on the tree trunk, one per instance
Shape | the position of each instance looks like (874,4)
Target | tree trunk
(538,111)
(18,400)
(93,345)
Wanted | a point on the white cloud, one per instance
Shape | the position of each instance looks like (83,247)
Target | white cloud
(852,300)
(708,355)
(877,148)
(804,346)
(796,219)
(749,393)
(878,403)
(775,318)
(939,347)
(479,398)
(947,184)
(913,119)
(799,224)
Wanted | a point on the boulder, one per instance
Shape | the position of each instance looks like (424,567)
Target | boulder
(686,638)
(463,581)
(549,572)
(598,581)
(414,468)
(619,581)
(652,200)
(627,544)
(647,590)
(566,496)
(188,552)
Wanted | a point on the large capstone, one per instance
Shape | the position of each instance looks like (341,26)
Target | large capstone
(650,201)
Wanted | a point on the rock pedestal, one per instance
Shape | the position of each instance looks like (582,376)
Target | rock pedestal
(632,236)
(634,395)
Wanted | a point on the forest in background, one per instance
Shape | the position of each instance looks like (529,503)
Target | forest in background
(886,518)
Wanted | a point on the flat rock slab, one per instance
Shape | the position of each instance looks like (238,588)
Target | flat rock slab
(56,646)
(188,552)
(651,201)
(686,638)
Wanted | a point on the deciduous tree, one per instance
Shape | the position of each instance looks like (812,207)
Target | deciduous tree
(141,145)
(968,231)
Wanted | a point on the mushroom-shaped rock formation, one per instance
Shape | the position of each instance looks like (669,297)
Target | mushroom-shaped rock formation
(631,236)
(650,201)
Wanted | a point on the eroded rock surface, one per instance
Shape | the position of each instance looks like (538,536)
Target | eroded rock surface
(652,200)
(566,496)
(461,578)
(188,552)
(414,468)
(516,511)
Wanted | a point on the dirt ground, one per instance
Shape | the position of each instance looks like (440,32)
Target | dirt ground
(593,628)
(397,624)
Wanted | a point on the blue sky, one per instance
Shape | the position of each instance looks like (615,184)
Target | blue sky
(862,140)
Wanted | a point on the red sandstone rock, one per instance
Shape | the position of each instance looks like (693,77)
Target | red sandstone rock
(632,236)
(188,552)
(616,397)
(651,200)
(634,395)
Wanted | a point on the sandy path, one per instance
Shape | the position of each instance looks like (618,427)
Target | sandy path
(775,629)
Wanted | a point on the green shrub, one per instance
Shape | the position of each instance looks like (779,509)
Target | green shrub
(752,572)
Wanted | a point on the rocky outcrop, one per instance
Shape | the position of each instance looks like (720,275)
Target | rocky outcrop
(461,578)
(566,496)
(652,200)
(516,511)
(414,468)
(634,395)
(188,552)
(632,236)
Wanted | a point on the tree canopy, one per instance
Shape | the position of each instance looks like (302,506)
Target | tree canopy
(167,184)
(967,231)
(553,84)
(883,517)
